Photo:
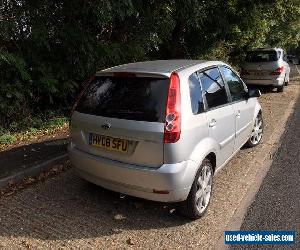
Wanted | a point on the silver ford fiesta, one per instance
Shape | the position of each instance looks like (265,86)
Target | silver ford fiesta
(160,130)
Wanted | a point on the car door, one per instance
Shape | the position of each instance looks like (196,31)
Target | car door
(243,107)
(220,114)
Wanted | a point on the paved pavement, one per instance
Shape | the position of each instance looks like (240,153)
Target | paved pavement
(277,203)
(21,158)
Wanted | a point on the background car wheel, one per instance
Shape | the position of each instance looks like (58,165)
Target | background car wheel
(199,197)
(257,132)
(286,82)
(280,88)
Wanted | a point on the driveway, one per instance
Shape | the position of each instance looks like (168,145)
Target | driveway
(68,212)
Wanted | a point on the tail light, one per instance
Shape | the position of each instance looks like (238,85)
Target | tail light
(244,72)
(85,85)
(277,71)
(173,111)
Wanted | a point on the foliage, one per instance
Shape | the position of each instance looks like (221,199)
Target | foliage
(33,127)
(7,139)
(47,48)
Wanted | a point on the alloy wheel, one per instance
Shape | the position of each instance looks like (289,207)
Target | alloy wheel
(204,185)
(257,131)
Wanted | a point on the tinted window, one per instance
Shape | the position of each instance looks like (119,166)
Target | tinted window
(141,99)
(213,87)
(262,56)
(196,94)
(235,84)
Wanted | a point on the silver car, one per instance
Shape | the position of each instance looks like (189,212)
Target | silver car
(266,67)
(160,130)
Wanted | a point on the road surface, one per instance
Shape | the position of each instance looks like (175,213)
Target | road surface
(277,204)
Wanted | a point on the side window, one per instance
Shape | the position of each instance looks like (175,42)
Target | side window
(213,87)
(196,94)
(236,86)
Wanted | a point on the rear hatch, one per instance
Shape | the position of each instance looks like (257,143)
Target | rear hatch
(122,118)
(260,64)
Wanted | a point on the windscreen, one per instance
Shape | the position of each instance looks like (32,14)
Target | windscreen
(130,98)
(262,56)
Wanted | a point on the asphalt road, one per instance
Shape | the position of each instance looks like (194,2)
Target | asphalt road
(277,203)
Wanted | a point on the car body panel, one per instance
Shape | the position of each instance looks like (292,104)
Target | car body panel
(244,111)
(151,164)
(145,138)
(136,180)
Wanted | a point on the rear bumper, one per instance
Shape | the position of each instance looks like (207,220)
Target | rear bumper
(174,180)
(269,82)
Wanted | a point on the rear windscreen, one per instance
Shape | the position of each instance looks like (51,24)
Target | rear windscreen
(262,56)
(130,98)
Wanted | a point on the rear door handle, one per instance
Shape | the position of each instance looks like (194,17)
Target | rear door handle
(213,123)
(238,114)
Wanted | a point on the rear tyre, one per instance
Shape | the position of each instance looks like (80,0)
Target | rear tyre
(257,132)
(280,88)
(198,199)
(286,82)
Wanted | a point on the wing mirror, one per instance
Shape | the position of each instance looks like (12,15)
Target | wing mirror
(253,93)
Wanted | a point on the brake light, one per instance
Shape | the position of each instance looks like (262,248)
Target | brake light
(173,111)
(85,85)
(277,71)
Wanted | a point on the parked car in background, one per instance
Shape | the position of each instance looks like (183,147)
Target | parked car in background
(160,130)
(266,67)
(292,59)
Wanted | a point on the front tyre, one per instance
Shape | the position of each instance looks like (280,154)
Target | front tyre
(198,199)
(286,81)
(257,131)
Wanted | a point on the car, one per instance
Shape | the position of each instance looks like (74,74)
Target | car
(266,67)
(160,130)
(292,59)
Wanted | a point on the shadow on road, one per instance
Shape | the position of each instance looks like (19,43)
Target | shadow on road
(67,207)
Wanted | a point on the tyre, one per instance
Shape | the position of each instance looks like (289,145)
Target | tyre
(257,132)
(280,88)
(198,199)
(286,82)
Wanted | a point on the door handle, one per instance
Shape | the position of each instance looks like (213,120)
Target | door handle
(238,114)
(213,123)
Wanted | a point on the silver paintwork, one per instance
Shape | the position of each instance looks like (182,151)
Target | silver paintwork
(265,68)
(150,164)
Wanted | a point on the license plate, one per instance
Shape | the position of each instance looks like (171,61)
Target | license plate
(109,143)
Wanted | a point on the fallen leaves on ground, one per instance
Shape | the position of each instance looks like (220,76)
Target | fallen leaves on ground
(14,187)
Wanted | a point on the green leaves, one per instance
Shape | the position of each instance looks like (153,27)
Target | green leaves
(48,48)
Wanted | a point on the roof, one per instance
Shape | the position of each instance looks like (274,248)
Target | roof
(154,67)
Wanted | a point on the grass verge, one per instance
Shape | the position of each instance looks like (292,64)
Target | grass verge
(31,128)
